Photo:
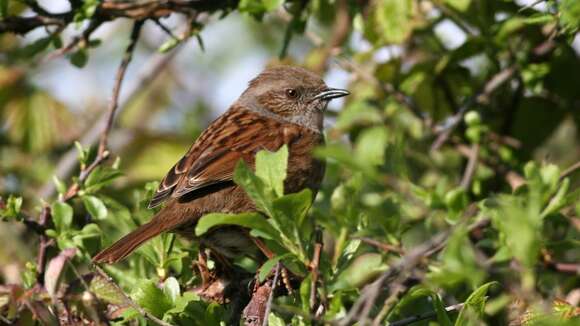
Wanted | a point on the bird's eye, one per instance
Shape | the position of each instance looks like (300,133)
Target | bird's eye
(291,93)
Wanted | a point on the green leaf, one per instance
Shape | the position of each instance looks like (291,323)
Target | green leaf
(361,271)
(570,14)
(101,177)
(267,267)
(559,200)
(292,208)
(3,8)
(79,58)
(389,21)
(34,48)
(475,302)
(168,45)
(271,168)
(62,215)
(95,207)
(12,209)
(274,320)
(150,297)
(254,187)
(270,5)
(171,288)
(371,146)
(250,220)
(59,185)
(442,317)
(106,291)
(460,5)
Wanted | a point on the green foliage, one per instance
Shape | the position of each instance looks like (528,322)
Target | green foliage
(431,141)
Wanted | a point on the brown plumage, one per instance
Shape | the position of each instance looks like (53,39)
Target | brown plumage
(283,105)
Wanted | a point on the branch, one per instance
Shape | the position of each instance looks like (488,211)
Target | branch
(424,316)
(481,97)
(103,153)
(569,171)
(362,307)
(271,297)
(314,268)
(45,242)
(471,166)
(128,300)
(109,10)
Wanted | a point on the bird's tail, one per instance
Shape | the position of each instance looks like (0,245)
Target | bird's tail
(127,244)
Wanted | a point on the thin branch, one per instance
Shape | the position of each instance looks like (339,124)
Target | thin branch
(128,300)
(570,170)
(424,316)
(362,307)
(68,161)
(314,268)
(110,10)
(271,297)
(77,40)
(471,166)
(383,246)
(45,242)
(481,97)
(103,153)
(114,103)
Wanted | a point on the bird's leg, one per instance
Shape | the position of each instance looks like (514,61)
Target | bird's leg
(283,271)
(203,269)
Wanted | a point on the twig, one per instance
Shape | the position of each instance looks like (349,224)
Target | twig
(383,246)
(481,97)
(314,268)
(45,242)
(424,316)
(570,170)
(271,297)
(362,307)
(103,153)
(5,320)
(110,10)
(471,166)
(127,299)
(68,161)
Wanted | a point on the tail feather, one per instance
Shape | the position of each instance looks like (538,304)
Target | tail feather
(127,244)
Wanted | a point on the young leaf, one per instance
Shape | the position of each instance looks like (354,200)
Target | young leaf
(271,168)
(150,297)
(12,209)
(254,187)
(442,317)
(62,215)
(95,207)
(475,302)
(171,288)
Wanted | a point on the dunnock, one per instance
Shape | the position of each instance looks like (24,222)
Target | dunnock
(282,105)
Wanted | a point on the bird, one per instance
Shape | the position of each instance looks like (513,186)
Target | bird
(283,105)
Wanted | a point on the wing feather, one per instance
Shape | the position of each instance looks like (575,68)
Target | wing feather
(238,134)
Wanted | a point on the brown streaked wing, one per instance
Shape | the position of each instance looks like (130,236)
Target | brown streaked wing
(239,134)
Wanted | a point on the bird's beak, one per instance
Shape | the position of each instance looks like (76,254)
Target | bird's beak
(331,93)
